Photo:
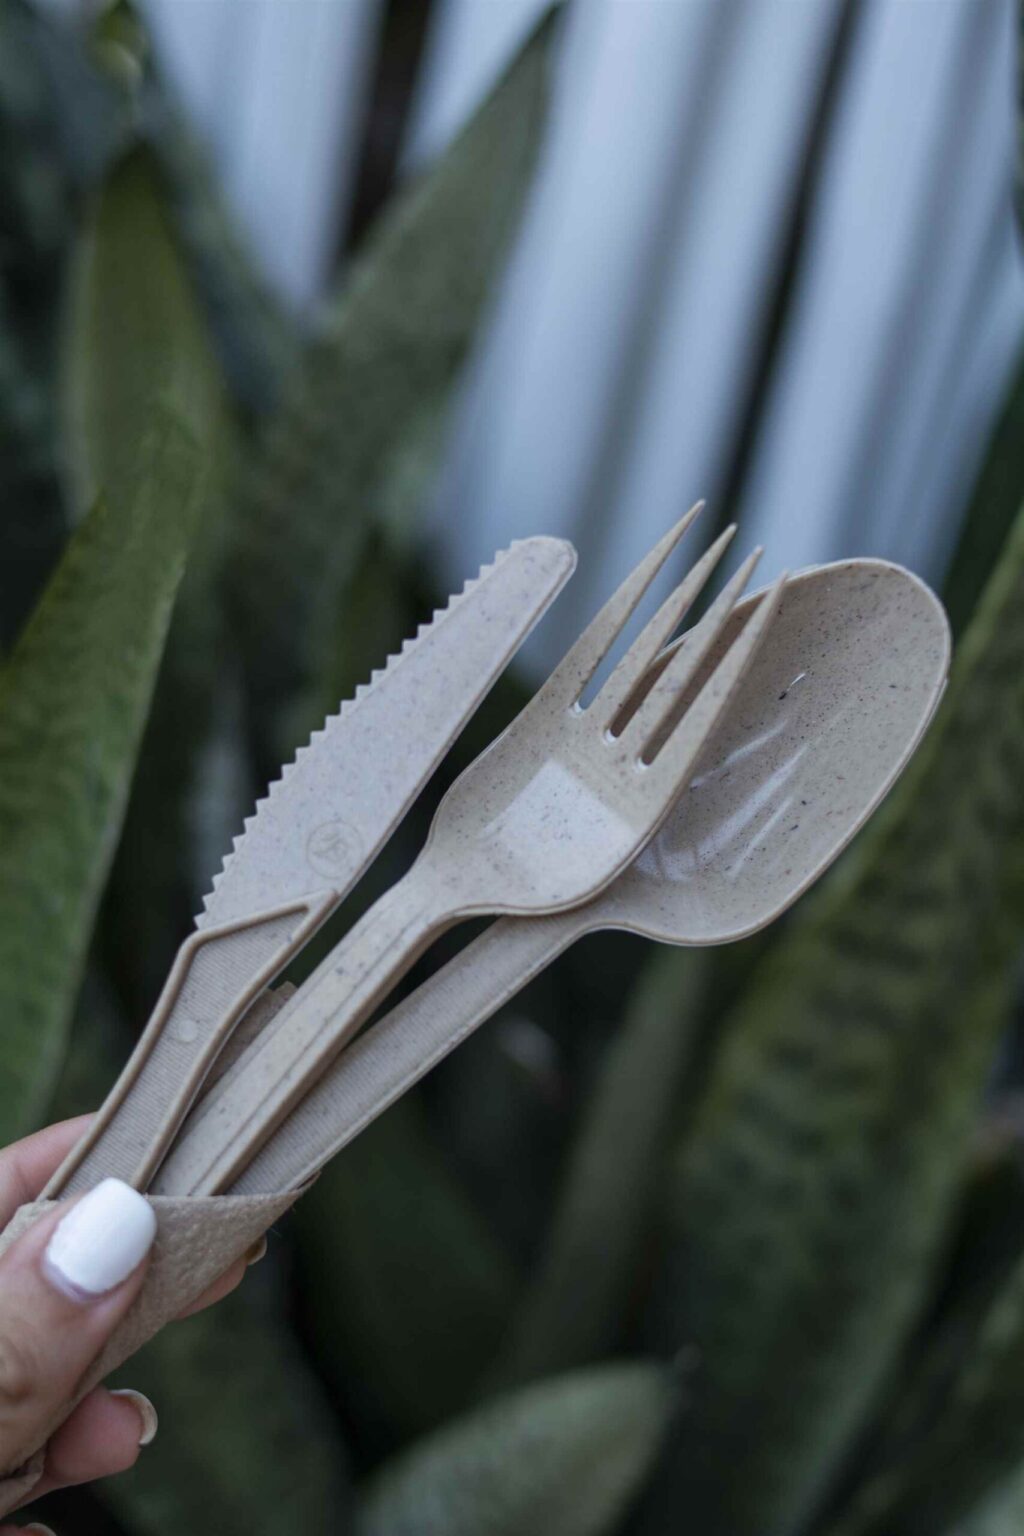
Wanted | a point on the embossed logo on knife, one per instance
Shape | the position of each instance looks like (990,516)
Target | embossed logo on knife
(333,846)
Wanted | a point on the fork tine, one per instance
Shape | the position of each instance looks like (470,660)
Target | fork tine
(652,717)
(622,684)
(579,664)
(675,751)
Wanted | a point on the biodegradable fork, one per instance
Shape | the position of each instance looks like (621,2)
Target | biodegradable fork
(541,821)
(825,719)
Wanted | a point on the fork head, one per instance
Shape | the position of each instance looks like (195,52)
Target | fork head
(568,795)
(569,679)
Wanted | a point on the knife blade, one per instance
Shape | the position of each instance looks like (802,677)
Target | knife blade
(316,830)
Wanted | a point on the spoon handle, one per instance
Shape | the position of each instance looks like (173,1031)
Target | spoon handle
(404,1045)
(247,1104)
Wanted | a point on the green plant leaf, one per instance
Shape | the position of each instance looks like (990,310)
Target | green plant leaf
(255,341)
(990,515)
(990,1217)
(34,191)
(565,1455)
(573,1311)
(406,472)
(962,1428)
(1001,1514)
(134,337)
(73,701)
(33,531)
(136,333)
(955,1430)
(35,215)
(406,1290)
(246,1438)
(812,1194)
(394,340)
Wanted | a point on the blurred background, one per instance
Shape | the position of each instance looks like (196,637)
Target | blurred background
(420,277)
(768,255)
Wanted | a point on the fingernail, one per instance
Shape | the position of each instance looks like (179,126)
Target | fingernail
(147,1413)
(40,1530)
(100,1241)
(257,1251)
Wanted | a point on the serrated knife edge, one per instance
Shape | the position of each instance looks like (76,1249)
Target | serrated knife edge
(271,860)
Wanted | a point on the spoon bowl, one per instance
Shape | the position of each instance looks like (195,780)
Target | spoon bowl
(828,715)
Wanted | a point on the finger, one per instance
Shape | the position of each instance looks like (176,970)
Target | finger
(64,1286)
(103,1436)
(25,1166)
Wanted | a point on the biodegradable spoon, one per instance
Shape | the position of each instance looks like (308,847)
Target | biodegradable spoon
(828,714)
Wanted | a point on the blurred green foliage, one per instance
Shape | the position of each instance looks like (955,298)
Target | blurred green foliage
(731,1245)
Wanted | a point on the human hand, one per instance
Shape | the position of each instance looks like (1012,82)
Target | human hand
(64,1286)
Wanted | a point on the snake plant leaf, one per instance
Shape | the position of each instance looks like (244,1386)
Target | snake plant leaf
(33,531)
(1001,1514)
(812,1193)
(135,333)
(573,1310)
(406,1290)
(564,1455)
(34,192)
(255,341)
(958,1429)
(990,1220)
(394,338)
(993,507)
(73,701)
(245,1430)
(35,215)
(84,106)
(406,471)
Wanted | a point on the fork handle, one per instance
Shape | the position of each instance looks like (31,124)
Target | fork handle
(407,1043)
(249,1102)
(217,973)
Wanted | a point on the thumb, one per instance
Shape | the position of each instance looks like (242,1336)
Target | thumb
(64,1286)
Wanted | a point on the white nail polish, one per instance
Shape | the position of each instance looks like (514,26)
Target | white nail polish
(100,1240)
(147,1413)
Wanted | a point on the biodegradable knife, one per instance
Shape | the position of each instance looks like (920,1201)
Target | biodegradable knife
(316,831)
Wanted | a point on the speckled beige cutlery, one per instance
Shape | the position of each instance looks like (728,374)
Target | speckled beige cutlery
(829,713)
(319,826)
(544,819)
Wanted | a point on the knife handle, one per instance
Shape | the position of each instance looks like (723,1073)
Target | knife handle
(406,1044)
(217,973)
(251,1100)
